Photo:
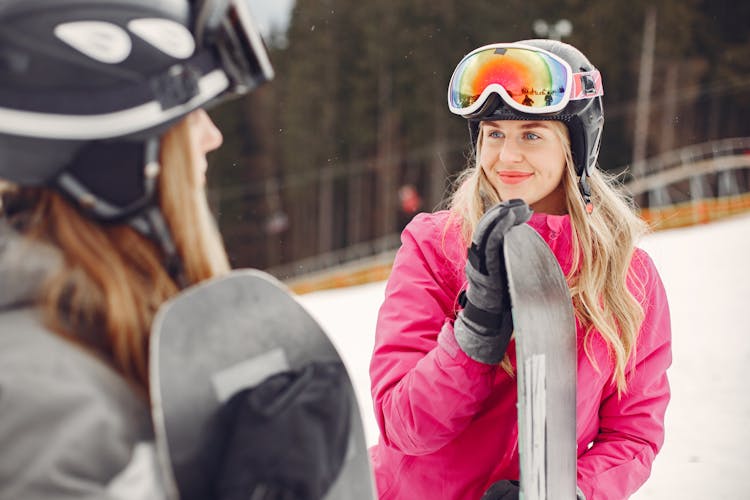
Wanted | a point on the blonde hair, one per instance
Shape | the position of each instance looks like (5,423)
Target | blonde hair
(113,279)
(603,246)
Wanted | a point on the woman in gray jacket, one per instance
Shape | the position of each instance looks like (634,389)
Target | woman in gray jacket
(104,217)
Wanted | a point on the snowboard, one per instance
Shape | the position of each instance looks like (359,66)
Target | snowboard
(545,335)
(227,335)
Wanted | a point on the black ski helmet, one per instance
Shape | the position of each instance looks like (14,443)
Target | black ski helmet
(87,88)
(584,118)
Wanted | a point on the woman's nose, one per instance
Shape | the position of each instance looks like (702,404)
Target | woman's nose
(209,136)
(510,152)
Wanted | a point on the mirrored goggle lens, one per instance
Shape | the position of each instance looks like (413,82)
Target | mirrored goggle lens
(535,81)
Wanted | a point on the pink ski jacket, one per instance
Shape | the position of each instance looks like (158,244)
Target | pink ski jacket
(448,424)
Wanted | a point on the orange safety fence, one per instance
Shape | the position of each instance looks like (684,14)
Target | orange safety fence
(342,277)
(695,212)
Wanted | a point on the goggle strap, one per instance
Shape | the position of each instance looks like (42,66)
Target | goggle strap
(587,85)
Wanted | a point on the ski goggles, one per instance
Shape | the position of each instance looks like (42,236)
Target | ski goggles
(228,26)
(528,79)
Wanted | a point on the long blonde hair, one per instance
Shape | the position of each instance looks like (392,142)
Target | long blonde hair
(113,279)
(603,246)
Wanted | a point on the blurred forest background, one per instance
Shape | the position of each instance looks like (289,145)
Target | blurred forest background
(328,162)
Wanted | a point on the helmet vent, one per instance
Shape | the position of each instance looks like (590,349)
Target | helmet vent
(101,41)
(168,36)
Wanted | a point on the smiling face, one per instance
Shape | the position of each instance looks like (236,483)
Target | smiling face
(526,160)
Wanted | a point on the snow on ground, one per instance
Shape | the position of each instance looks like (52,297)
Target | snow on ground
(706,272)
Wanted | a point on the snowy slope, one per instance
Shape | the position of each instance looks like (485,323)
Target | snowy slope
(706,272)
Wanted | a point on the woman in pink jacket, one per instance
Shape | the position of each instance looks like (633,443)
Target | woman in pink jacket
(444,360)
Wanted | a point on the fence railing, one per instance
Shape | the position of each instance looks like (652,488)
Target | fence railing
(689,185)
(376,251)
(697,160)
(694,184)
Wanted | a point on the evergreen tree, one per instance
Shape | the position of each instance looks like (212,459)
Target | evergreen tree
(358,108)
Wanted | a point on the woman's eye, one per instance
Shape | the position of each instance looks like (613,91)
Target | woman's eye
(531,136)
(495,134)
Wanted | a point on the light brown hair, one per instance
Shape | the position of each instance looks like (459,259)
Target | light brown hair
(603,246)
(113,279)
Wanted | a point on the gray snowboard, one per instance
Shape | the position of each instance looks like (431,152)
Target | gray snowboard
(217,338)
(544,326)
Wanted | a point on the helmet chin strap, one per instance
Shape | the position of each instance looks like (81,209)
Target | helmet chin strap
(150,223)
(144,215)
(585,189)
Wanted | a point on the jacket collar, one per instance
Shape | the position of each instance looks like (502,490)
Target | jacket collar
(550,224)
(557,231)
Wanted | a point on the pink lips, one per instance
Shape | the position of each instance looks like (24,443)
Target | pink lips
(513,177)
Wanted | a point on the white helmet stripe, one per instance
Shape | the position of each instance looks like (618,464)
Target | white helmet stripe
(107,125)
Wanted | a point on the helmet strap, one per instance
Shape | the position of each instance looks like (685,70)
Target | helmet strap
(144,215)
(585,189)
(152,225)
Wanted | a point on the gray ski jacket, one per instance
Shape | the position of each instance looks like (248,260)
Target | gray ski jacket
(70,426)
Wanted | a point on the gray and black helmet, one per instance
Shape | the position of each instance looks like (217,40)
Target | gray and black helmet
(488,84)
(87,87)
(584,118)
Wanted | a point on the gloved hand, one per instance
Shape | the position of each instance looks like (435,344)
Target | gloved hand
(510,490)
(502,490)
(287,438)
(484,326)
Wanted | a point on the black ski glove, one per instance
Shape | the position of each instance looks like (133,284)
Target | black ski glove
(510,490)
(287,438)
(502,490)
(483,328)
